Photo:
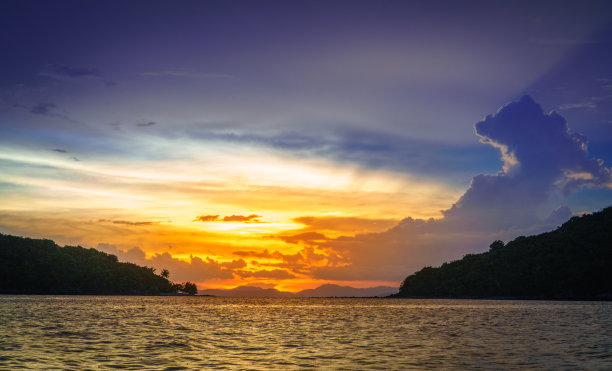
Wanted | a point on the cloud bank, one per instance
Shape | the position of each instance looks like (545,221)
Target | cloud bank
(196,269)
(541,157)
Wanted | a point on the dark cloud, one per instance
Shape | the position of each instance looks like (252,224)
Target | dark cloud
(70,73)
(126,222)
(206,218)
(59,150)
(291,141)
(368,148)
(45,109)
(540,156)
(145,124)
(42,108)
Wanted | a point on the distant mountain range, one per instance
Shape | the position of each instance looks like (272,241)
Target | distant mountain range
(328,290)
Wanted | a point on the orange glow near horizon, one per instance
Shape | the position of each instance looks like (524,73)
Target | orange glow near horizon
(294,285)
(263,224)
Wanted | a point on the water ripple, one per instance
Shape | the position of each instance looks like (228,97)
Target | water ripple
(178,333)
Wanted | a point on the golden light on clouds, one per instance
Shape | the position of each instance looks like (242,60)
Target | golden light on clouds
(212,205)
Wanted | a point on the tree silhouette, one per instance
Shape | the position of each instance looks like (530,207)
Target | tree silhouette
(572,262)
(496,245)
(190,288)
(31,266)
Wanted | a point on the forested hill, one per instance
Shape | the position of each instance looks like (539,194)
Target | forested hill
(572,262)
(32,266)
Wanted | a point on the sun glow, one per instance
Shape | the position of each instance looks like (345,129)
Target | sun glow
(253,206)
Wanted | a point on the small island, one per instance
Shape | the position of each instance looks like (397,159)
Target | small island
(39,266)
(574,262)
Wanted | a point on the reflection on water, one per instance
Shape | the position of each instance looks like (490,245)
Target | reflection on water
(174,333)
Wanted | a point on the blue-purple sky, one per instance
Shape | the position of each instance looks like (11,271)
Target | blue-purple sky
(129,111)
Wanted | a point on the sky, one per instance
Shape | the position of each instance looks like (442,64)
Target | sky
(289,144)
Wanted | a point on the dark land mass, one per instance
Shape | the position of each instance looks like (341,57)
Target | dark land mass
(35,266)
(574,262)
(327,290)
(331,290)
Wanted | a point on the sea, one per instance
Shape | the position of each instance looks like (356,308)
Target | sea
(208,333)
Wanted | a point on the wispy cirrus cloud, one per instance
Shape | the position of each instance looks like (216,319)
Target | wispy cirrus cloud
(42,108)
(145,124)
(587,104)
(45,109)
(367,148)
(187,74)
(60,150)
(127,222)
(62,72)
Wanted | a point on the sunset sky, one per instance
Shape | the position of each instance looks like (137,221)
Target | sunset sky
(289,144)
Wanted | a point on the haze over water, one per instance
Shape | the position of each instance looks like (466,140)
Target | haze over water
(91,332)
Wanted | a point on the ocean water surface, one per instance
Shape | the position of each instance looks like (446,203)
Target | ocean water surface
(127,332)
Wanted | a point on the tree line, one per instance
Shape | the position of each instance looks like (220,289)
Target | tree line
(39,266)
(572,262)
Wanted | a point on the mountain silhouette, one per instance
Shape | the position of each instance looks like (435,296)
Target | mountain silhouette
(39,266)
(327,290)
(571,262)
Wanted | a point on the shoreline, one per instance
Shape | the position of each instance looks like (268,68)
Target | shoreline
(607,298)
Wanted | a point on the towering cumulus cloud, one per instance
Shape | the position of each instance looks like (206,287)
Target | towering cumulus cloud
(541,157)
